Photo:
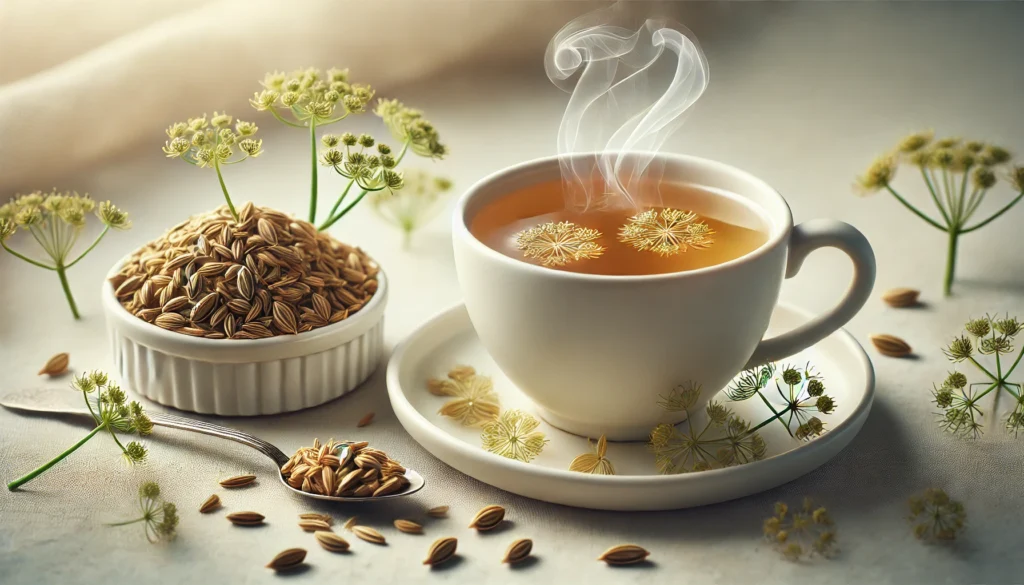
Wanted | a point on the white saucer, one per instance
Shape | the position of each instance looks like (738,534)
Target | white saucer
(448,340)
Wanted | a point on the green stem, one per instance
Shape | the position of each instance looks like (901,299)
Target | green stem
(935,196)
(1014,366)
(776,416)
(127,522)
(29,477)
(985,392)
(224,188)
(997,214)
(26,258)
(984,369)
(273,111)
(116,440)
(947,186)
(961,208)
(999,374)
(342,213)
(972,204)
(91,246)
(950,262)
(85,396)
(62,274)
(313,180)
(332,219)
(916,211)
(341,198)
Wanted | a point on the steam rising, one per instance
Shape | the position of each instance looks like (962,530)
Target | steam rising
(618,107)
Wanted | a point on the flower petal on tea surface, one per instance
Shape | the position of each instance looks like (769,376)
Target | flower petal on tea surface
(667,233)
(557,244)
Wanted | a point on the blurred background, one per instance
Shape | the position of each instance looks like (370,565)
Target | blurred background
(802,94)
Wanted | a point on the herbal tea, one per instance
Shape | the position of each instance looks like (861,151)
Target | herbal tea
(696,228)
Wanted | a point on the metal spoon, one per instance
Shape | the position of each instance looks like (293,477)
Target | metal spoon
(55,402)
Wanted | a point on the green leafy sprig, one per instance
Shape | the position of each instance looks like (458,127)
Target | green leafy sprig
(988,339)
(212,144)
(112,413)
(958,175)
(418,202)
(802,390)
(159,518)
(55,221)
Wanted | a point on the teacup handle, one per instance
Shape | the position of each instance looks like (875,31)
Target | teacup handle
(804,239)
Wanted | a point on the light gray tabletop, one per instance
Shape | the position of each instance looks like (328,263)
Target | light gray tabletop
(802,95)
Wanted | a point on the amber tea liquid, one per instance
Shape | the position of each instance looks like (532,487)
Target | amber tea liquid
(739,229)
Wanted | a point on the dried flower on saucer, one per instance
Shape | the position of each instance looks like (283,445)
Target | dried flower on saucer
(936,516)
(802,390)
(416,203)
(557,244)
(158,517)
(594,462)
(722,440)
(803,533)
(514,435)
(666,233)
(474,399)
(55,221)
(988,346)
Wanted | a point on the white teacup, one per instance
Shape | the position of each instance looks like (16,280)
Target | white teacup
(595,352)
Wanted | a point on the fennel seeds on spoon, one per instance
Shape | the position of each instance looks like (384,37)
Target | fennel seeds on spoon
(267,274)
(365,472)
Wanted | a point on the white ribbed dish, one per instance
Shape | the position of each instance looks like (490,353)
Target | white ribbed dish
(240,377)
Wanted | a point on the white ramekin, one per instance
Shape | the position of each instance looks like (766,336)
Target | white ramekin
(240,377)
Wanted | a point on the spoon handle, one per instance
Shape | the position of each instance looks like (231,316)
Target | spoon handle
(198,426)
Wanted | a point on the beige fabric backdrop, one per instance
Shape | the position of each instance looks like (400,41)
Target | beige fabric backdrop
(81,81)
